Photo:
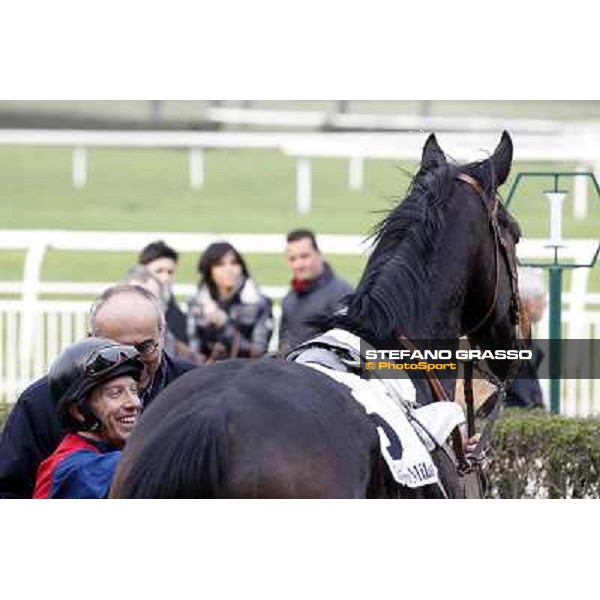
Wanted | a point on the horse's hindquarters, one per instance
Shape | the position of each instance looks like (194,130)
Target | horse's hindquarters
(252,429)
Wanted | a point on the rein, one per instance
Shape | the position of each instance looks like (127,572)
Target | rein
(478,454)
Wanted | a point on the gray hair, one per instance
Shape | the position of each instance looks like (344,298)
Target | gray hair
(125,288)
(139,272)
(141,275)
(531,283)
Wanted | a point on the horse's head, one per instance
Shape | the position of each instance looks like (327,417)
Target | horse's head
(444,262)
(491,316)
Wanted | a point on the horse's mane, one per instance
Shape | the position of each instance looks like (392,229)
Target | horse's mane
(394,288)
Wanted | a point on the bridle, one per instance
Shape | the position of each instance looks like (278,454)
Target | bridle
(500,246)
(467,465)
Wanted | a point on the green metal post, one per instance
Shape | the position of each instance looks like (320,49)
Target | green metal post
(555,272)
(555,336)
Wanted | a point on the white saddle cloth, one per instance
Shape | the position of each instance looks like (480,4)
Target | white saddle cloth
(419,429)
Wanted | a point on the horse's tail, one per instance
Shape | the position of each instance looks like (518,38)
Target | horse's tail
(185,456)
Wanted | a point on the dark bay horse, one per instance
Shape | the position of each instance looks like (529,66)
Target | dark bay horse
(440,267)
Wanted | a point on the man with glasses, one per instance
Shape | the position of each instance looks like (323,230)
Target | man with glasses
(125,314)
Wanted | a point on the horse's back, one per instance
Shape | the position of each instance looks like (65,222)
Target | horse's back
(265,428)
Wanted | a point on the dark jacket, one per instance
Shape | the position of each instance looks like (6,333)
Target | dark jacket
(321,297)
(245,333)
(525,390)
(33,432)
(176,320)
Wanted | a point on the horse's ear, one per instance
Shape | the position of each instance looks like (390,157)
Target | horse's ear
(433,156)
(502,159)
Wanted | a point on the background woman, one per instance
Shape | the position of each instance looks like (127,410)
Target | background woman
(228,317)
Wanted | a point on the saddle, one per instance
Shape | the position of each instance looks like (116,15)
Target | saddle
(407,432)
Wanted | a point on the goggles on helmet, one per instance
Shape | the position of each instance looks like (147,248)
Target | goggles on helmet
(106,359)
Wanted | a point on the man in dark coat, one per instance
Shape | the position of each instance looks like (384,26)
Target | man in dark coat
(316,290)
(126,314)
(525,391)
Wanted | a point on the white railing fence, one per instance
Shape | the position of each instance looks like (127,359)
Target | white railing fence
(579,397)
(59,323)
(34,331)
(577,143)
(56,325)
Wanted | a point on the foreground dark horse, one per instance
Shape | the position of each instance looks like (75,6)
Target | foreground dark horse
(274,429)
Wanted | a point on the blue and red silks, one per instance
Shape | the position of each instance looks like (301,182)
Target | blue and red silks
(78,468)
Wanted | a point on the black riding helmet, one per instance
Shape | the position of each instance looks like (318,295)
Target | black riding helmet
(83,367)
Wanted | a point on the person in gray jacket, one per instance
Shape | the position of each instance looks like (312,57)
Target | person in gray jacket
(315,290)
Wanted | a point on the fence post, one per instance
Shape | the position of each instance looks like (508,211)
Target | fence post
(355,174)
(79,166)
(196,168)
(303,186)
(31,280)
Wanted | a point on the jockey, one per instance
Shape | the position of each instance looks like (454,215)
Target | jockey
(95,385)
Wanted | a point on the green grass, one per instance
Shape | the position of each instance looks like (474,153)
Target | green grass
(148,191)
(245,191)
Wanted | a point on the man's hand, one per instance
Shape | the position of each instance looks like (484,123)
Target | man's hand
(471,444)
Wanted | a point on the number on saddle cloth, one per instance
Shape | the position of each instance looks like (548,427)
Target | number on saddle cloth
(394,447)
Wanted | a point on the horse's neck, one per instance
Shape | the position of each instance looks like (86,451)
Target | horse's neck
(442,312)
(444,300)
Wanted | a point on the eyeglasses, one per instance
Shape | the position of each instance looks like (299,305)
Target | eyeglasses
(147,347)
(106,359)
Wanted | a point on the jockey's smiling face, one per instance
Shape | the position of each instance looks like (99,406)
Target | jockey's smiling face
(133,320)
(117,406)
(304,260)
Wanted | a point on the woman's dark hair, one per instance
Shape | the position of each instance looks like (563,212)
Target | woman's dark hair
(213,256)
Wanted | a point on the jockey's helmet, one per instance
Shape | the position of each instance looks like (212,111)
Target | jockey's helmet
(83,367)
